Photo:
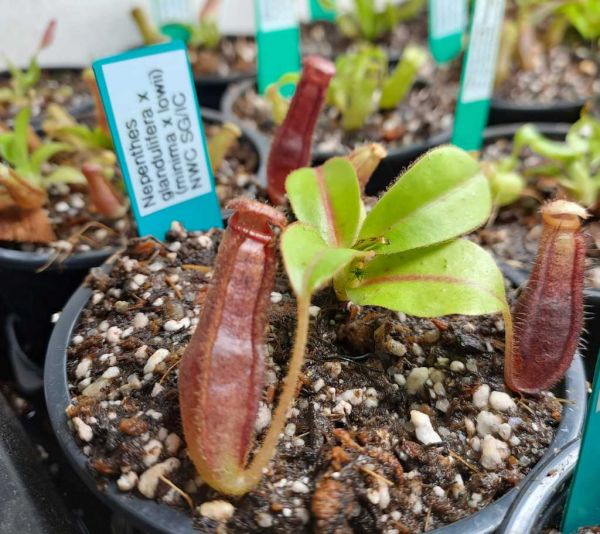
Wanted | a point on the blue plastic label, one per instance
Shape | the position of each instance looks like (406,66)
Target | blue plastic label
(152,110)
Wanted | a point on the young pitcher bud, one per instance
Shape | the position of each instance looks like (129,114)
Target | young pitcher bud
(365,159)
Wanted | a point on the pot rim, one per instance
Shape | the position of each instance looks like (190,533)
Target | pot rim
(538,492)
(32,261)
(502,104)
(155,517)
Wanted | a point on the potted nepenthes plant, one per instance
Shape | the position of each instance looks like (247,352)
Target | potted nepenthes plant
(548,61)
(387,24)
(171,375)
(36,88)
(362,99)
(217,60)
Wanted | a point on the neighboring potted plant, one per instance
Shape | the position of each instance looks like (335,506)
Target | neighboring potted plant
(391,26)
(402,419)
(35,87)
(548,64)
(365,100)
(58,222)
(217,60)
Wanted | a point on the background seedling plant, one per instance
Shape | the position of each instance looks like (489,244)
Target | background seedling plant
(574,163)
(405,255)
(523,42)
(366,21)
(361,85)
(23,81)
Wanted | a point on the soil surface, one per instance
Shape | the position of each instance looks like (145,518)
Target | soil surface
(79,228)
(426,111)
(233,55)
(237,54)
(350,459)
(325,39)
(513,233)
(64,87)
(569,73)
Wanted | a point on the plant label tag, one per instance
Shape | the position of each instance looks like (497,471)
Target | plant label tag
(152,110)
(167,11)
(583,502)
(170,16)
(278,40)
(447,24)
(477,79)
(322,10)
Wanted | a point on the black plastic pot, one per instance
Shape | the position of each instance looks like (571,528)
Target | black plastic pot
(210,89)
(507,112)
(540,503)
(152,517)
(389,168)
(31,297)
(28,500)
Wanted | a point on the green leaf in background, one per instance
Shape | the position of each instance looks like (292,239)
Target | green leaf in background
(328,198)
(31,76)
(279,101)
(309,261)
(441,196)
(65,175)
(506,187)
(452,278)
(528,136)
(399,82)
(584,15)
(352,90)
(19,153)
(44,153)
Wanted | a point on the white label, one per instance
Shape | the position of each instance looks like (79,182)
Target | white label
(274,15)
(483,50)
(157,121)
(449,17)
(172,11)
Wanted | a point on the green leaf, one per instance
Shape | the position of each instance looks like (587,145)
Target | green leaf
(46,152)
(280,103)
(441,196)
(328,198)
(352,90)
(31,76)
(529,136)
(65,175)
(452,278)
(402,78)
(95,138)
(19,151)
(6,94)
(310,263)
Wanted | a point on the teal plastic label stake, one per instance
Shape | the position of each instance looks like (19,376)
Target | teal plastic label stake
(278,40)
(478,72)
(322,10)
(170,16)
(583,504)
(154,118)
(447,24)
